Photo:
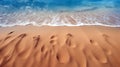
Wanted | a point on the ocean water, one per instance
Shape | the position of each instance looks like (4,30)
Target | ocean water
(60,12)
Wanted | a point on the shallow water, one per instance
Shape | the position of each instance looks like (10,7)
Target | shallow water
(60,12)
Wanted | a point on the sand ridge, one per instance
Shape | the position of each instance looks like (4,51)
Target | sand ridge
(87,46)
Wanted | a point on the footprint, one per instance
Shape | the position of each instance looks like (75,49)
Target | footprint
(4,43)
(69,35)
(91,41)
(8,49)
(53,39)
(10,32)
(43,48)
(36,41)
(69,41)
(63,56)
(98,52)
(45,51)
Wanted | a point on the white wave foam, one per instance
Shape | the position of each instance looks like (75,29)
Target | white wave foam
(34,24)
(101,17)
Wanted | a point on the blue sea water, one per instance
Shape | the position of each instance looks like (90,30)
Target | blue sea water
(56,4)
(10,9)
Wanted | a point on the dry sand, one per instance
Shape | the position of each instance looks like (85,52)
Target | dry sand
(85,46)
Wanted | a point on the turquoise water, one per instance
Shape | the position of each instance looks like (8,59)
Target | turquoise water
(60,12)
(56,4)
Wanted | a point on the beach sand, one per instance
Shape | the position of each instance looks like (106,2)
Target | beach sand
(60,46)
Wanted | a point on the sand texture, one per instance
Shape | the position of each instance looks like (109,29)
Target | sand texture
(85,46)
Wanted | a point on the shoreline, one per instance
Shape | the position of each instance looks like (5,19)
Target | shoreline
(112,26)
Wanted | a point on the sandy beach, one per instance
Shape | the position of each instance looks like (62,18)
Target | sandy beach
(60,46)
(59,33)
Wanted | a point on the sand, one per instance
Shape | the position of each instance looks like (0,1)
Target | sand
(84,46)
